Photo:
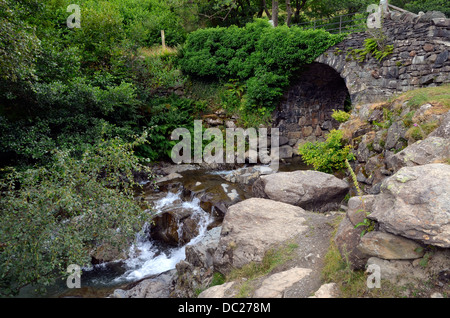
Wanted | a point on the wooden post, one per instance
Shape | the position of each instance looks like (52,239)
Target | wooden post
(163,38)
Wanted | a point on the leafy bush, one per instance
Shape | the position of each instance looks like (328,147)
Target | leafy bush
(262,57)
(428,5)
(327,156)
(164,116)
(58,214)
(340,115)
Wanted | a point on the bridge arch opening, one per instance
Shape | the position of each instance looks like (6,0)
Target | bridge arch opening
(306,107)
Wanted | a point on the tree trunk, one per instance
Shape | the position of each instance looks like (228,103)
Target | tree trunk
(263,8)
(299,5)
(289,13)
(275,13)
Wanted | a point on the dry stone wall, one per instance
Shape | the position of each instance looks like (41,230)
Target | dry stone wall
(420,58)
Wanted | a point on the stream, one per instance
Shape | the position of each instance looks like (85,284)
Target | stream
(149,255)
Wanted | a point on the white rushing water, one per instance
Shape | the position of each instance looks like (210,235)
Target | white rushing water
(146,258)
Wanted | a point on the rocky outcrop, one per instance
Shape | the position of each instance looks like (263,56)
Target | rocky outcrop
(443,130)
(307,189)
(434,265)
(251,227)
(347,239)
(156,287)
(389,246)
(409,215)
(396,134)
(274,285)
(432,149)
(330,290)
(415,203)
(196,270)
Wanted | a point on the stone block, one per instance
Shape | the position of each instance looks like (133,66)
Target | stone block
(307,131)
(428,47)
(418,59)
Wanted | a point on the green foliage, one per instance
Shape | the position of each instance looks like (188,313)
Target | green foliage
(164,116)
(407,119)
(421,131)
(248,55)
(18,45)
(368,224)
(59,87)
(328,156)
(56,215)
(428,5)
(217,279)
(372,46)
(340,115)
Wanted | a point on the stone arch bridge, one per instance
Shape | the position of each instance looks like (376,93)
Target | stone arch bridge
(420,58)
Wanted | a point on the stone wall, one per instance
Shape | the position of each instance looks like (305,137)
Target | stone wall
(306,108)
(420,58)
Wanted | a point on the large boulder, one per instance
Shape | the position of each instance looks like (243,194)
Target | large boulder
(252,227)
(201,253)
(159,286)
(195,272)
(275,285)
(430,150)
(415,203)
(311,190)
(443,130)
(347,239)
(389,246)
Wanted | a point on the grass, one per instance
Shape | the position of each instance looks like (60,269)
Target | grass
(352,283)
(273,258)
(421,131)
(158,51)
(205,91)
(438,96)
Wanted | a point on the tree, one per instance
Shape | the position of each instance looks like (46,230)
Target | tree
(58,215)
(275,13)
(299,5)
(263,8)
(289,12)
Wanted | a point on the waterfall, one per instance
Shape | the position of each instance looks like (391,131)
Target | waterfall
(146,256)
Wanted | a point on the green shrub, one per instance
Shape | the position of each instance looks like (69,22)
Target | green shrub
(340,115)
(164,116)
(407,119)
(261,57)
(428,5)
(58,214)
(328,156)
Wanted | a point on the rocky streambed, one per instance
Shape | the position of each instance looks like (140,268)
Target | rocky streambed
(211,221)
(188,202)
